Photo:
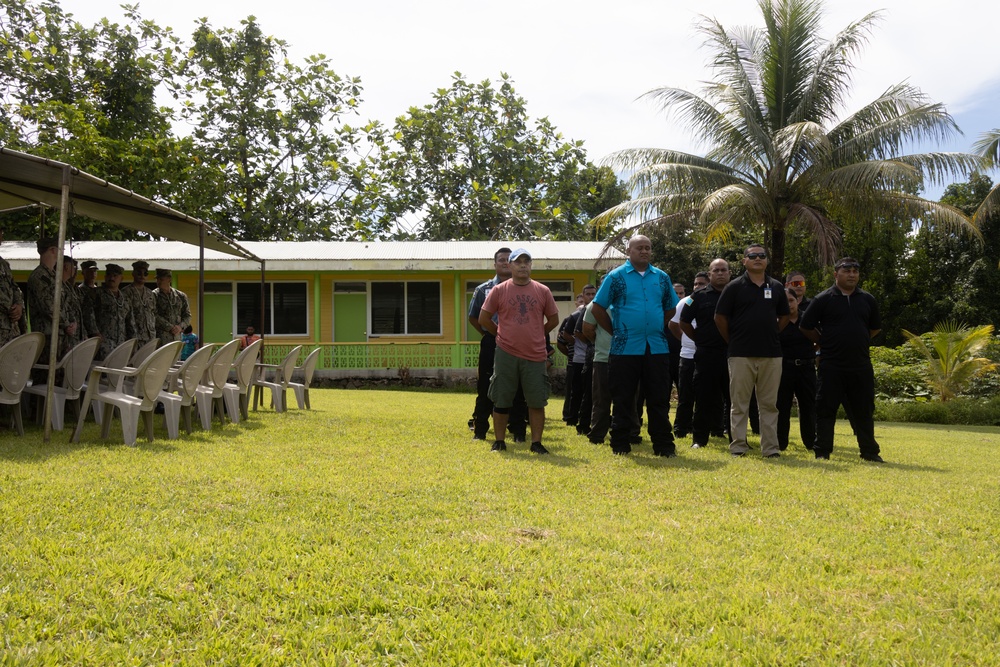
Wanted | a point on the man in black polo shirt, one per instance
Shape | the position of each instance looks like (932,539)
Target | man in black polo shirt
(843,320)
(711,375)
(751,312)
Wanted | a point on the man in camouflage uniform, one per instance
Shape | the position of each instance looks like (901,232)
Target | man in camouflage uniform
(88,299)
(112,311)
(11,303)
(70,306)
(41,296)
(173,314)
(142,302)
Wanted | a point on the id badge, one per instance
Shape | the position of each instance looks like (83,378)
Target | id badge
(767,293)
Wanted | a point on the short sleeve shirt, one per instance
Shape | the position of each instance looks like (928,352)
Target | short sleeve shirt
(602,339)
(845,322)
(701,312)
(521,313)
(753,311)
(640,300)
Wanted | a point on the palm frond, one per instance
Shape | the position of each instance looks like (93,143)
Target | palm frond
(792,27)
(989,206)
(824,232)
(830,80)
(988,145)
(883,128)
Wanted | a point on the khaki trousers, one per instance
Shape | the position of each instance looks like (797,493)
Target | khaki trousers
(745,374)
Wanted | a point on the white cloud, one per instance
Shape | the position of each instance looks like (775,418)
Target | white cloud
(583,64)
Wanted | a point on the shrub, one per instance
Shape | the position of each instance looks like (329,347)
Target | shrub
(960,411)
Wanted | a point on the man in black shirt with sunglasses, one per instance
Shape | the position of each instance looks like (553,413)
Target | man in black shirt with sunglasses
(843,320)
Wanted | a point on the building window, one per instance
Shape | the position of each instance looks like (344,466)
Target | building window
(286,311)
(399,308)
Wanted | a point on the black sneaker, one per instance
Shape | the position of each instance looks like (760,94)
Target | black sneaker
(873,459)
(499,446)
(820,455)
(667,453)
(698,445)
(478,437)
(537,448)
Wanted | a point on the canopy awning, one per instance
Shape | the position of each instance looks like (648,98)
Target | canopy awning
(29,179)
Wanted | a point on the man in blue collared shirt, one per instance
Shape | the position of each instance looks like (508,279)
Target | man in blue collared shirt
(644,301)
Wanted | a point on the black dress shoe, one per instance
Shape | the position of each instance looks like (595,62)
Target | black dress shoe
(874,459)
(819,455)
(499,446)
(538,448)
(667,453)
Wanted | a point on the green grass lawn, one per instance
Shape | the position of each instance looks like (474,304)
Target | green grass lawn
(373,530)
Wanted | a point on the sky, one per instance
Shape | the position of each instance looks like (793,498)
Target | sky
(585,64)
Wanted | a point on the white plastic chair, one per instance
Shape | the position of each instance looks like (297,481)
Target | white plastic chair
(238,395)
(301,390)
(16,359)
(210,391)
(186,384)
(149,379)
(116,358)
(279,382)
(75,365)
(140,355)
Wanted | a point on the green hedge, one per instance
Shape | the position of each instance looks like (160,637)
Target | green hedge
(903,396)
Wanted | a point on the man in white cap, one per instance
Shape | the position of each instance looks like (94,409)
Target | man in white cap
(526,313)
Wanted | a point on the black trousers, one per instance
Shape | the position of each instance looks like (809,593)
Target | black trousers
(711,386)
(625,374)
(484,406)
(685,397)
(572,372)
(854,387)
(586,375)
(798,381)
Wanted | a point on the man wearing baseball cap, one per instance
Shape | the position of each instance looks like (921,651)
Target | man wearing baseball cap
(143,305)
(173,314)
(526,313)
(113,311)
(88,298)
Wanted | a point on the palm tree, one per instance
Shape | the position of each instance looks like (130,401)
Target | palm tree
(988,146)
(778,154)
(950,354)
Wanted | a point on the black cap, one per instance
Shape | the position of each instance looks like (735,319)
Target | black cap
(163,273)
(113,270)
(46,243)
(140,265)
(89,264)
(68,259)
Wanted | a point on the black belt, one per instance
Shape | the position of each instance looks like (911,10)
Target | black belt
(801,362)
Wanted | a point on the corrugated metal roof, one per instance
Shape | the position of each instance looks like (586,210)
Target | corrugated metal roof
(327,255)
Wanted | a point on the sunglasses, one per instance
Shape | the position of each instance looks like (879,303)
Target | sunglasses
(796,283)
(756,255)
(848,266)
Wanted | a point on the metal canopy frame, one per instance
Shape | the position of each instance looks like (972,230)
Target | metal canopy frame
(27,180)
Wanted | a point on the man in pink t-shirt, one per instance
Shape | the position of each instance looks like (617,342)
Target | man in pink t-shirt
(526,313)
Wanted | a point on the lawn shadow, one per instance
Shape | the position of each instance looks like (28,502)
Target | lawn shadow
(650,460)
(552,458)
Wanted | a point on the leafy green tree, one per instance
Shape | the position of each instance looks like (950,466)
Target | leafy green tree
(275,130)
(949,352)
(779,157)
(473,165)
(949,278)
(86,96)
